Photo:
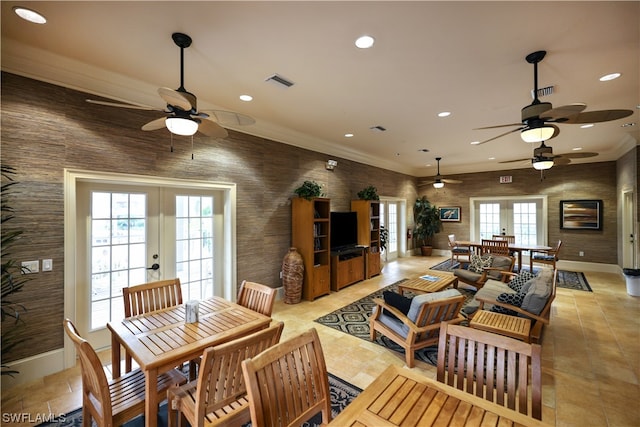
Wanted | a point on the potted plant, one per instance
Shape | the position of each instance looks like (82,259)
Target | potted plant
(427,224)
(309,190)
(384,239)
(369,193)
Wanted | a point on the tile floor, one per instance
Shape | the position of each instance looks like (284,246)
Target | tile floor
(591,352)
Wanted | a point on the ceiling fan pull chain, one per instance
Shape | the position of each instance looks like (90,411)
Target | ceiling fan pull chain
(191,147)
(171,133)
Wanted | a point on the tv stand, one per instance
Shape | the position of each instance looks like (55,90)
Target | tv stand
(347,267)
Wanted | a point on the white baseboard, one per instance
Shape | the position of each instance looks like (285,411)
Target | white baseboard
(33,368)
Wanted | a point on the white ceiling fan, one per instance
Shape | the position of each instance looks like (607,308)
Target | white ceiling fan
(438,181)
(181,114)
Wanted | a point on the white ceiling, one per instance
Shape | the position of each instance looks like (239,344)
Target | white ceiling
(463,57)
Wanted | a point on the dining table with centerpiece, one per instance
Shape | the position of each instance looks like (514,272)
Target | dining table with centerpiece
(513,247)
(161,340)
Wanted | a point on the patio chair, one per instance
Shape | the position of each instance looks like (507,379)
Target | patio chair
(491,366)
(457,250)
(257,297)
(545,257)
(496,247)
(420,327)
(485,267)
(112,403)
(219,396)
(288,384)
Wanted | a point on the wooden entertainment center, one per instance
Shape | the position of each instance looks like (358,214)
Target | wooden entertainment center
(347,267)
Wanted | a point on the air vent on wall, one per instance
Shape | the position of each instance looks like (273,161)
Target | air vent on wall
(544,91)
(377,128)
(279,80)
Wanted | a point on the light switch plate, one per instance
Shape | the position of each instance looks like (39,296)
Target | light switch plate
(47,264)
(31,266)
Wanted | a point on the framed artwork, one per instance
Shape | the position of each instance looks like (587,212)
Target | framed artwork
(450,213)
(581,214)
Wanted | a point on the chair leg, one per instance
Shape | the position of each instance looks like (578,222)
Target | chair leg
(409,356)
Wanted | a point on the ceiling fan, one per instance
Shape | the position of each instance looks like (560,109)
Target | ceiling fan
(438,180)
(543,157)
(538,118)
(182,115)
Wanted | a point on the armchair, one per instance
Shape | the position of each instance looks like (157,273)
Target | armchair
(420,327)
(457,251)
(484,267)
(545,257)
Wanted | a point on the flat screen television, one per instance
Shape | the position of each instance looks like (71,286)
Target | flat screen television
(344,230)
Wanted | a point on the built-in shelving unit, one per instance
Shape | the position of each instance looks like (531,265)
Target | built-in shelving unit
(369,232)
(310,230)
(347,267)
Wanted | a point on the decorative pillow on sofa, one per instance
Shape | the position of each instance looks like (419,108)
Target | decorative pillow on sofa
(539,292)
(518,281)
(395,300)
(500,263)
(478,263)
(508,298)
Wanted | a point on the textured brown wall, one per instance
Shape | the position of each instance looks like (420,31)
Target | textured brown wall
(46,128)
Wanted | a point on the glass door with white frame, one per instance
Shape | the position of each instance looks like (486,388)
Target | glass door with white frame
(525,218)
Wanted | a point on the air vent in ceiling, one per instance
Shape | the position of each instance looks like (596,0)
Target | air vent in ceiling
(377,128)
(545,91)
(279,80)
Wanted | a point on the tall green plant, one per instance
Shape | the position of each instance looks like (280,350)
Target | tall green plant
(12,272)
(427,219)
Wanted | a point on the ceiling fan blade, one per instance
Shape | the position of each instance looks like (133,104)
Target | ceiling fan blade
(176,99)
(451,181)
(561,161)
(578,155)
(155,124)
(230,118)
(599,116)
(499,126)
(211,128)
(516,161)
(501,135)
(563,112)
(120,105)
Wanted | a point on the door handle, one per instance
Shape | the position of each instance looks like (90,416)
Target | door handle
(154,266)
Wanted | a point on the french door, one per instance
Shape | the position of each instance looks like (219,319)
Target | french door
(392,218)
(523,217)
(128,234)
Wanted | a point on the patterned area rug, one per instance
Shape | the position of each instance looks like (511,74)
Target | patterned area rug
(353,319)
(566,279)
(342,393)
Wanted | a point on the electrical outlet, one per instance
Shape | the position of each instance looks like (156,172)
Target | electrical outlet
(47,265)
(29,267)
(581,253)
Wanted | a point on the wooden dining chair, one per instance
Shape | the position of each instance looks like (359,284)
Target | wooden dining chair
(491,366)
(219,396)
(112,403)
(509,238)
(457,250)
(152,296)
(288,383)
(496,247)
(257,297)
(549,257)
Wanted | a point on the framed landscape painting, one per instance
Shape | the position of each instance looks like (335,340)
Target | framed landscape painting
(581,214)
(450,213)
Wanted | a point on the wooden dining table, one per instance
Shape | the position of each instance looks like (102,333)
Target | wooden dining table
(513,247)
(403,397)
(161,340)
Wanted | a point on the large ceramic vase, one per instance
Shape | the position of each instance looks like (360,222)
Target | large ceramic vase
(292,276)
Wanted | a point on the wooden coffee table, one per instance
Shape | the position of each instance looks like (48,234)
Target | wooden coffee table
(435,282)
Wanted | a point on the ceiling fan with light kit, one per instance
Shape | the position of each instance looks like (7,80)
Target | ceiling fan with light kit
(181,113)
(438,181)
(538,118)
(543,157)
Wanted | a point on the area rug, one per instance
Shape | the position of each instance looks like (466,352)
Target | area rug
(353,319)
(566,279)
(342,393)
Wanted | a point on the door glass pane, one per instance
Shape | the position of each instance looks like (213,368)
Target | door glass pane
(194,245)
(118,251)
(489,220)
(392,244)
(524,223)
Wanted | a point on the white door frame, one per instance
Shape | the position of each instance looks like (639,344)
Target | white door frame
(629,234)
(73,176)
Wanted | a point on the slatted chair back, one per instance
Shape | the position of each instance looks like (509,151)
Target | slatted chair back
(151,296)
(491,366)
(456,250)
(257,297)
(496,247)
(111,403)
(287,384)
(508,238)
(219,396)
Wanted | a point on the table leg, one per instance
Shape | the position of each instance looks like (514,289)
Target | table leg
(151,398)
(115,356)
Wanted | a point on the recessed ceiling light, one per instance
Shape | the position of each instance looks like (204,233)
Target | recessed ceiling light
(365,42)
(475,142)
(492,158)
(577,148)
(444,114)
(626,125)
(608,77)
(29,15)
(590,125)
(348,135)
(246,98)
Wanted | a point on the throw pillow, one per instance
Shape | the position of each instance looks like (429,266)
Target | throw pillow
(395,300)
(519,280)
(508,298)
(478,263)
